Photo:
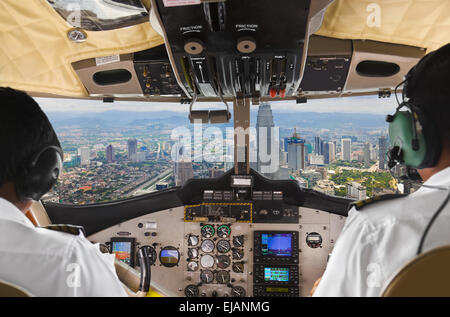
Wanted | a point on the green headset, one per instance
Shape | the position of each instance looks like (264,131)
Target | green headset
(414,139)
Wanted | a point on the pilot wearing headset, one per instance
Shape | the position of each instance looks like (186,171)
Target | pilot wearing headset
(383,235)
(43,262)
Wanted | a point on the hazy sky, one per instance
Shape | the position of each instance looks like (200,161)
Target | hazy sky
(366,104)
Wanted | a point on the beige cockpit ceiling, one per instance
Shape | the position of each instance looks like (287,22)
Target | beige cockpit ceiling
(36,54)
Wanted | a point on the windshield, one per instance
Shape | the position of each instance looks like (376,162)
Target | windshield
(98,15)
(125,149)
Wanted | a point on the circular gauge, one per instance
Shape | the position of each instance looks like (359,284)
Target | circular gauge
(223,261)
(169,256)
(104,248)
(223,246)
(192,266)
(192,240)
(207,261)
(223,277)
(207,276)
(238,254)
(207,231)
(192,253)
(238,291)
(191,291)
(238,267)
(152,253)
(207,246)
(223,231)
(238,241)
(314,240)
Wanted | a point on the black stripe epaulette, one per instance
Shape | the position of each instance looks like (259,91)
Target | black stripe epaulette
(70,229)
(360,204)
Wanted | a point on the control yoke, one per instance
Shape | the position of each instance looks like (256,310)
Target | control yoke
(145,262)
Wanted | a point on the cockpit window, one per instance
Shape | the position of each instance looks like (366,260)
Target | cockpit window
(126,149)
(100,15)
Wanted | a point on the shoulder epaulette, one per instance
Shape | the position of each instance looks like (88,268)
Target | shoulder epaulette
(70,229)
(360,204)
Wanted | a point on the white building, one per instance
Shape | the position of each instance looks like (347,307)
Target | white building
(315,159)
(356,190)
(85,155)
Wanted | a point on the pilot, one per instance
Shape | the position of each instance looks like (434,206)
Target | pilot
(381,236)
(43,262)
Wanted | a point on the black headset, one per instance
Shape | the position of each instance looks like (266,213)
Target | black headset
(414,139)
(39,174)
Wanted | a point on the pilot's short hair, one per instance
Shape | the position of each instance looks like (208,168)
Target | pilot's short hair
(429,88)
(24,131)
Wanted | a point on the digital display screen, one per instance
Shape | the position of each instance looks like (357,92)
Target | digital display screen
(241,181)
(276,274)
(277,290)
(168,256)
(122,250)
(276,244)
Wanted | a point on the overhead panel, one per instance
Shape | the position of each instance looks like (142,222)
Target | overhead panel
(236,47)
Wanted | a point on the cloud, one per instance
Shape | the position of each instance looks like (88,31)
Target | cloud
(364,104)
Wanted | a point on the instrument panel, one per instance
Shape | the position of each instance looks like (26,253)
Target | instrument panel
(225,257)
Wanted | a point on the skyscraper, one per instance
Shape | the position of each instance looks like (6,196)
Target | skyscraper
(182,168)
(346,149)
(332,151)
(110,154)
(296,152)
(382,145)
(317,145)
(85,154)
(367,155)
(326,153)
(264,129)
(183,173)
(132,147)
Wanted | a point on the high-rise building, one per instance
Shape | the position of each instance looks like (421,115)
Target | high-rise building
(317,145)
(296,152)
(264,129)
(85,155)
(110,154)
(285,144)
(183,170)
(326,153)
(356,191)
(367,155)
(382,146)
(138,157)
(331,152)
(346,149)
(132,147)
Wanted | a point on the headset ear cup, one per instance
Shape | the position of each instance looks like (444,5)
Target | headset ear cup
(432,139)
(41,174)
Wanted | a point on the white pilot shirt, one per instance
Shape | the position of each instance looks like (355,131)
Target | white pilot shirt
(378,240)
(50,263)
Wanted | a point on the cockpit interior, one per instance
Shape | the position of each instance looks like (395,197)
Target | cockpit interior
(240,234)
